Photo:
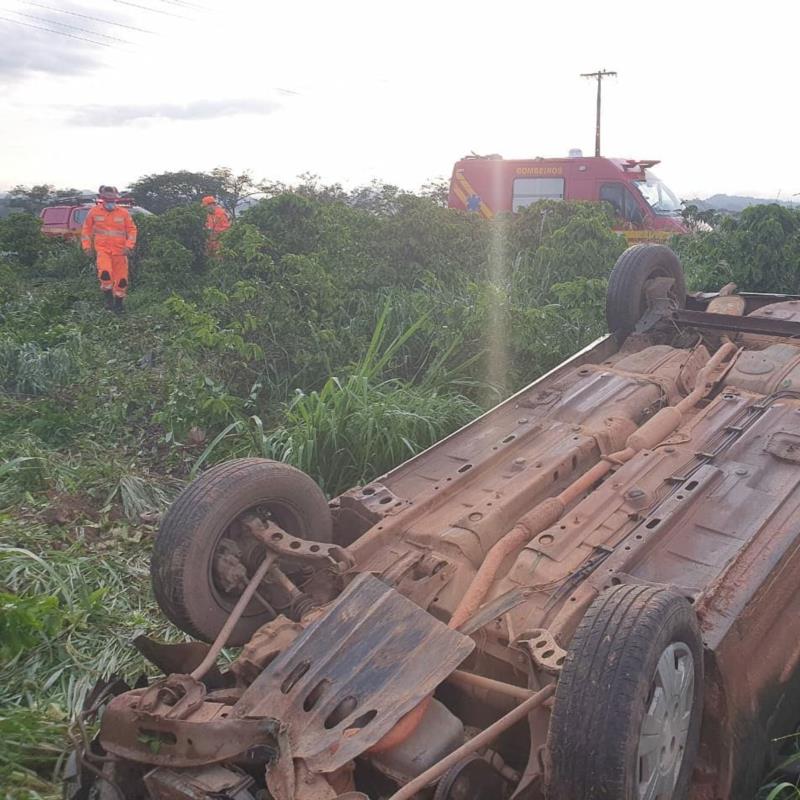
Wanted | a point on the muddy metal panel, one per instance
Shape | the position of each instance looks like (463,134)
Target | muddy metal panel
(756,685)
(348,678)
(604,527)
(674,519)
(715,513)
(748,489)
(392,501)
(499,416)
(748,613)
(470,490)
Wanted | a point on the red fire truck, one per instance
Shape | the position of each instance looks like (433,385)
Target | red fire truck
(646,209)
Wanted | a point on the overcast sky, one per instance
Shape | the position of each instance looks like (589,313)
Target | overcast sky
(396,91)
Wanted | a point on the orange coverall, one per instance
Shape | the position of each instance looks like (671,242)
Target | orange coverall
(217,222)
(113,235)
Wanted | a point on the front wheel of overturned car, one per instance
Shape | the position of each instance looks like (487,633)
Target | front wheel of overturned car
(202,548)
(627,712)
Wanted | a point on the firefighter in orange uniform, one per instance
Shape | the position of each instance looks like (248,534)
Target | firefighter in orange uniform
(110,232)
(217,222)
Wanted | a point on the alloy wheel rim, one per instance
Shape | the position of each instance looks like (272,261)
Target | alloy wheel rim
(665,727)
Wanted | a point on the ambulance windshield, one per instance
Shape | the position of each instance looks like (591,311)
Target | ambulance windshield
(659,196)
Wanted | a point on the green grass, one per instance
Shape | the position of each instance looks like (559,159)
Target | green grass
(354,430)
(31,369)
(777,786)
(69,618)
(780,790)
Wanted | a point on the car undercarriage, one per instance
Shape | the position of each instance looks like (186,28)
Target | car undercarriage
(578,595)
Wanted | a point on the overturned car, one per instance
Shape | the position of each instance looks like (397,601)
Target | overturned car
(585,593)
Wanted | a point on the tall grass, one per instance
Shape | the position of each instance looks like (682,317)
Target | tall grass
(100,602)
(783,782)
(355,428)
(69,618)
(779,790)
(31,369)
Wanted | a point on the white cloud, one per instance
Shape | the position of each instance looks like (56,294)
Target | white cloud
(28,52)
(111,115)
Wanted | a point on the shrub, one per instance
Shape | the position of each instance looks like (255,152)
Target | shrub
(291,223)
(64,259)
(171,235)
(21,238)
(759,252)
(31,369)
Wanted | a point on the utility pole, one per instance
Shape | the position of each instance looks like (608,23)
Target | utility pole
(600,74)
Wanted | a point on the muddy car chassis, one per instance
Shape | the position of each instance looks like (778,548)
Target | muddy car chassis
(588,592)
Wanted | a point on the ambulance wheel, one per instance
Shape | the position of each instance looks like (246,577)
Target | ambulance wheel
(626,298)
(628,706)
(201,537)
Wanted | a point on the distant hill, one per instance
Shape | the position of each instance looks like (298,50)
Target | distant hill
(734,204)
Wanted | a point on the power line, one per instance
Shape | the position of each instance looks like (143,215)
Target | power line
(182,4)
(51,30)
(148,8)
(86,16)
(71,27)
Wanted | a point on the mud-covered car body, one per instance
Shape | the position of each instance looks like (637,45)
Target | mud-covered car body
(674,448)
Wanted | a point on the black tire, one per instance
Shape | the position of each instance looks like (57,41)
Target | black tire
(181,565)
(605,691)
(625,300)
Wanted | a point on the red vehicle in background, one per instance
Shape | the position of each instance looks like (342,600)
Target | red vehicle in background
(66,220)
(647,210)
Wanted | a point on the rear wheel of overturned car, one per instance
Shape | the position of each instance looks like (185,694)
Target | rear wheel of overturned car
(201,542)
(627,295)
(627,711)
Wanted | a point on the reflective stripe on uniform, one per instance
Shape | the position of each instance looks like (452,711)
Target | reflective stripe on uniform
(109,233)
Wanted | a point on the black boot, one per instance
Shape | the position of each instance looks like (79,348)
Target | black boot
(109,298)
(117,305)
